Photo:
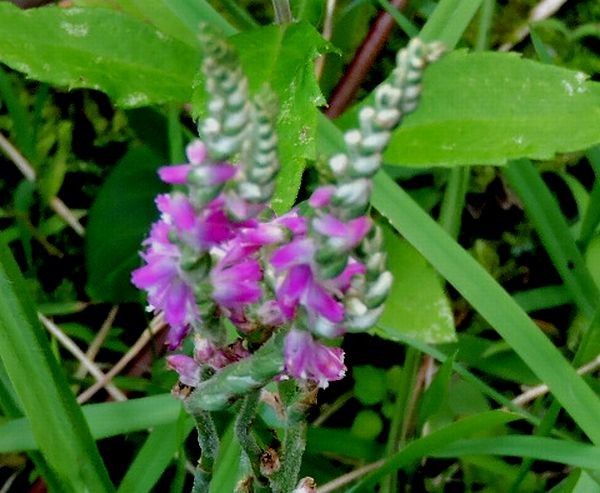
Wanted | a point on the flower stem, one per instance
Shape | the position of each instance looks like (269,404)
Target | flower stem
(283,12)
(238,378)
(243,425)
(208,439)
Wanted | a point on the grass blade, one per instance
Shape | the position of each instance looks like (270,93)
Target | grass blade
(105,420)
(449,21)
(491,301)
(562,451)
(56,420)
(156,454)
(425,446)
(546,216)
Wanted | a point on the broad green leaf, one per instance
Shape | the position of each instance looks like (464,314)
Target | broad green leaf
(131,61)
(176,18)
(488,108)
(484,294)
(281,57)
(417,305)
(104,420)
(119,219)
(56,420)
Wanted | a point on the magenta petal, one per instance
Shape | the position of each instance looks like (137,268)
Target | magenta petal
(292,288)
(196,152)
(175,336)
(294,253)
(353,268)
(351,232)
(178,209)
(320,301)
(329,225)
(186,367)
(176,174)
(328,362)
(321,197)
(358,229)
(307,359)
(153,273)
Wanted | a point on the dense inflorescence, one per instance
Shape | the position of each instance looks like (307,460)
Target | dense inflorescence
(217,252)
(219,259)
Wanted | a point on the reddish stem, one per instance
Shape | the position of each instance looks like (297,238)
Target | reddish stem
(362,62)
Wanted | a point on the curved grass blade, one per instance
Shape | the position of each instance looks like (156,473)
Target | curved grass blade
(549,222)
(105,420)
(425,446)
(491,301)
(156,454)
(540,448)
(56,420)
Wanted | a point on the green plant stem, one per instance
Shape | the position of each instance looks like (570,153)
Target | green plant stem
(283,12)
(486,13)
(543,429)
(208,439)
(402,412)
(176,152)
(243,432)
(454,200)
(294,443)
(408,27)
(241,17)
(239,378)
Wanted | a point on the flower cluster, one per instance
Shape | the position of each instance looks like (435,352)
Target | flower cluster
(218,253)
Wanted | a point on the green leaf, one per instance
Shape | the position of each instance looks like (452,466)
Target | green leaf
(436,394)
(178,19)
(449,21)
(417,305)
(119,219)
(550,449)
(488,108)
(370,386)
(97,48)
(545,214)
(282,57)
(158,451)
(104,420)
(56,420)
(227,464)
(367,424)
(425,446)
(491,301)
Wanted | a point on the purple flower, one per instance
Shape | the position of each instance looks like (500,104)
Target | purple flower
(300,286)
(321,197)
(207,353)
(309,360)
(178,174)
(204,174)
(344,235)
(162,280)
(186,367)
(236,284)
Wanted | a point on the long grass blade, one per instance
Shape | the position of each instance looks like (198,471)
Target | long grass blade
(549,222)
(491,301)
(56,420)
(105,420)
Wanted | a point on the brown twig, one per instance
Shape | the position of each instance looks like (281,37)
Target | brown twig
(28,171)
(156,325)
(364,59)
